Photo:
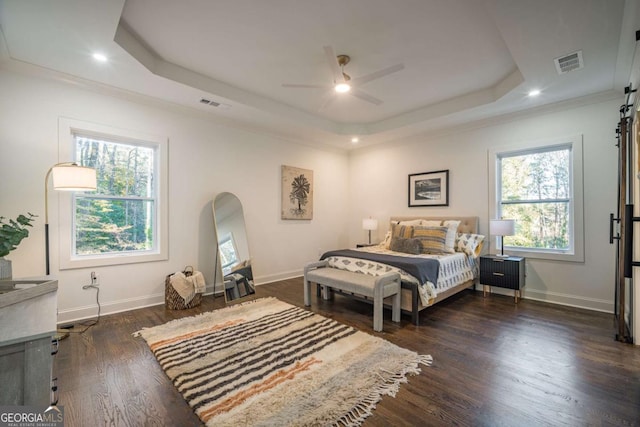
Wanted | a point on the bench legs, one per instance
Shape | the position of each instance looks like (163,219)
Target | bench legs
(389,282)
(378,311)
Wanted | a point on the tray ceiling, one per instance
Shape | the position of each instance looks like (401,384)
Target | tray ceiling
(464,60)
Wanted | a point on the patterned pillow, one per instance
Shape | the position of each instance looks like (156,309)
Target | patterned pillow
(404,231)
(407,246)
(452,230)
(470,244)
(386,242)
(433,239)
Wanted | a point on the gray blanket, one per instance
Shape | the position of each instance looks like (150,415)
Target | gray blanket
(423,269)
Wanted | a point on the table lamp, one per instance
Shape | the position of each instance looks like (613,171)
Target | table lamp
(502,227)
(369,224)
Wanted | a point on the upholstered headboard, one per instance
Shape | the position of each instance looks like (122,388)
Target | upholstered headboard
(468,224)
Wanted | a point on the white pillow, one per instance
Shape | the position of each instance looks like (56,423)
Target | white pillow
(411,222)
(386,242)
(452,230)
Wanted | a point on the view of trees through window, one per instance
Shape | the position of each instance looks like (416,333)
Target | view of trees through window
(535,190)
(119,215)
(227,254)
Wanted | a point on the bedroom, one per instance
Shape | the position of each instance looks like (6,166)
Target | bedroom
(350,184)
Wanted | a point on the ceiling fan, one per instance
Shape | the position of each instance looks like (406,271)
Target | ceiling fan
(343,83)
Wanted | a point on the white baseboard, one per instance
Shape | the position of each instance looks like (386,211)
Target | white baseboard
(595,304)
(91,311)
(280,276)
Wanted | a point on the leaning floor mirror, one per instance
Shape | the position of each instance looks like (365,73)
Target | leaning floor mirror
(233,262)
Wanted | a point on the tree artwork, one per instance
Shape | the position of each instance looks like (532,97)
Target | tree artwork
(297,193)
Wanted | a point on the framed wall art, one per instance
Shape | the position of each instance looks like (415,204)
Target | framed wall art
(297,193)
(429,189)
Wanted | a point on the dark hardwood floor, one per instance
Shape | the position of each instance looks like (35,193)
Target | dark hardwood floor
(495,364)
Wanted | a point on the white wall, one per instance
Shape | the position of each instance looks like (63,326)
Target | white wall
(379,175)
(205,158)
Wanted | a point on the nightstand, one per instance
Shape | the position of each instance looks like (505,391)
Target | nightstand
(504,272)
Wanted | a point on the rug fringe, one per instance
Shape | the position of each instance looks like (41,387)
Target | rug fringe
(264,299)
(364,408)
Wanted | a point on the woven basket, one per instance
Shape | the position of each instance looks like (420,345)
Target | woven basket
(173,300)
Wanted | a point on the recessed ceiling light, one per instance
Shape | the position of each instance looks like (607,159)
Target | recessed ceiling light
(100,57)
(534,92)
(342,88)
(355,140)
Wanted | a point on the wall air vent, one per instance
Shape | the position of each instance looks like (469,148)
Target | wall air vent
(570,62)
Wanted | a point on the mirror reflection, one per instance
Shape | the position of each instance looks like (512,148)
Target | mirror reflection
(234,260)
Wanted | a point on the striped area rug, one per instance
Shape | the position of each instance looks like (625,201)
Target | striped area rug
(269,363)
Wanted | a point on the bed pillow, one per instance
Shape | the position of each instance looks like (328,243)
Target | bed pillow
(411,222)
(403,231)
(470,244)
(452,231)
(407,246)
(386,242)
(431,223)
(433,239)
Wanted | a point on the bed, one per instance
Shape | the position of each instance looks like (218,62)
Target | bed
(426,278)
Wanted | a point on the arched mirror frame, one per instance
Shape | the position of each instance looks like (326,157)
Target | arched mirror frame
(233,269)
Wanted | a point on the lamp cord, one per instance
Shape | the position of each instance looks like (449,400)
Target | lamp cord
(89,323)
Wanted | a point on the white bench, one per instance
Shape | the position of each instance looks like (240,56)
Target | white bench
(376,287)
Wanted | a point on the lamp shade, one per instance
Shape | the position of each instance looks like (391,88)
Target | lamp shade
(73,178)
(369,224)
(502,227)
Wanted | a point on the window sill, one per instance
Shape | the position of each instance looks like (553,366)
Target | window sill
(111,259)
(551,256)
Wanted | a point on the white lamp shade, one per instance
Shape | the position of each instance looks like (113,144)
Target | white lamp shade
(502,227)
(369,224)
(73,178)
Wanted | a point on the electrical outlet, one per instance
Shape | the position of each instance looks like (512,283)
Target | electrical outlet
(95,279)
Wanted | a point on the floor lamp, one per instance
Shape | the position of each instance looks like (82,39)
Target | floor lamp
(67,176)
(502,227)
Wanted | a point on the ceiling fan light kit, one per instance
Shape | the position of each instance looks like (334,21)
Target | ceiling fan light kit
(342,87)
(342,82)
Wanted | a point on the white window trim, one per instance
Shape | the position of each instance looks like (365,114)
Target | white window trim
(576,204)
(66,129)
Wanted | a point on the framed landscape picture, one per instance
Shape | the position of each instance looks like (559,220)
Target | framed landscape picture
(297,193)
(429,189)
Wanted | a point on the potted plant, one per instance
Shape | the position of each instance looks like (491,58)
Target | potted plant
(11,234)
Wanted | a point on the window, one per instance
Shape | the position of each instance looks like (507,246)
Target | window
(120,215)
(540,186)
(124,220)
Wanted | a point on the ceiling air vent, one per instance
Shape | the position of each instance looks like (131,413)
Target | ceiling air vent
(570,62)
(209,102)
(220,105)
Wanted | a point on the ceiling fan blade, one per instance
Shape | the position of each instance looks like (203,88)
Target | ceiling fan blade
(377,74)
(332,59)
(364,96)
(306,86)
(326,100)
